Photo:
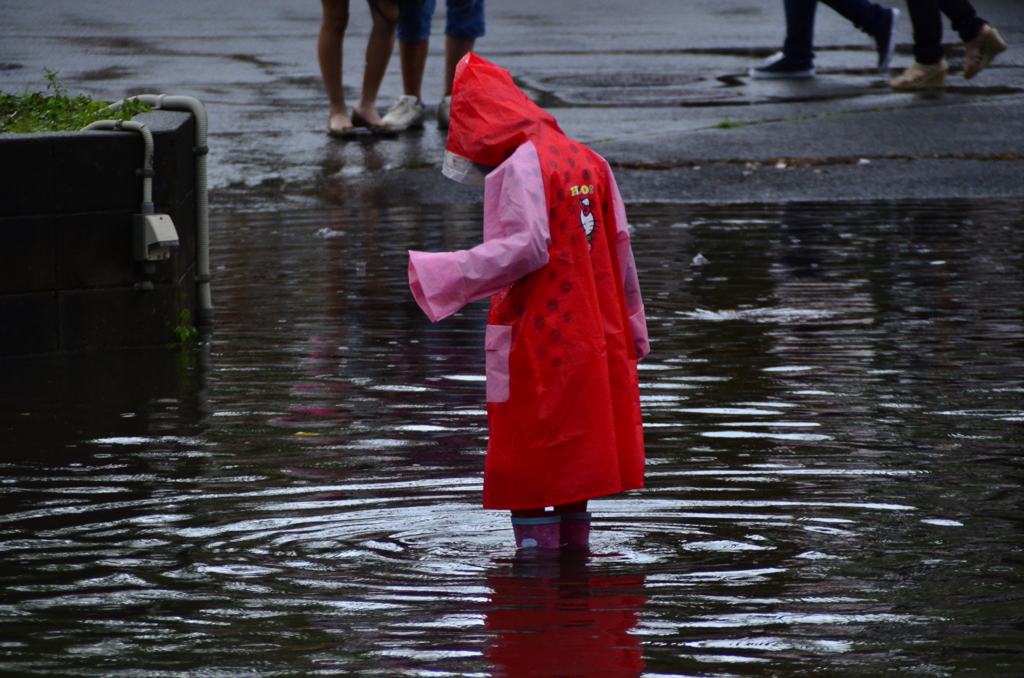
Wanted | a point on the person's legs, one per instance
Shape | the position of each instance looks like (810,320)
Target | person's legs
(927,23)
(867,16)
(464,23)
(796,60)
(929,68)
(799,44)
(388,9)
(379,47)
(413,57)
(877,21)
(982,42)
(963,18)
(329,47)
(413,44)
(454,50)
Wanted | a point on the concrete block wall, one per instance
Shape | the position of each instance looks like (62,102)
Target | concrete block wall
(68,281)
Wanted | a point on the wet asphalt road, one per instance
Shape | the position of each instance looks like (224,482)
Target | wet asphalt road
(660,89)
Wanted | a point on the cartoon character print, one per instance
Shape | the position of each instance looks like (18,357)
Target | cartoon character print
(587,221)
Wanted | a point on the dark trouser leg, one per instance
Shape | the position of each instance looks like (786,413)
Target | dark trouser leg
(927,21)
(799,29)
(963,17)
(867,16)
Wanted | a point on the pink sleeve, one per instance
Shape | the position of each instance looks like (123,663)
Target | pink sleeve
(630,282)
(516,240)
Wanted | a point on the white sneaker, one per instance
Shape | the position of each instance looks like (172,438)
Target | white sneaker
(407,113)
(444,112)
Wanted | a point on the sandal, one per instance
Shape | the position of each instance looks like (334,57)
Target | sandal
(343,133)
(369,128)
(346,132)
(359,121)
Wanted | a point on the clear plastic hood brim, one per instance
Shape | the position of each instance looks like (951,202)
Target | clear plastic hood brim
(463,170)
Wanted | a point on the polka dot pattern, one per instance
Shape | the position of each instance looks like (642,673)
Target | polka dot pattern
(558,306)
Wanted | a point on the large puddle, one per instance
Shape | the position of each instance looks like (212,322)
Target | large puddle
(833,412)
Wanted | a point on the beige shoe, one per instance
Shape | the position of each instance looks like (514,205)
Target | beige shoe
(979,52)
(920,76)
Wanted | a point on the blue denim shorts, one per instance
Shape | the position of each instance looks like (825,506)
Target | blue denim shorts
(465,20)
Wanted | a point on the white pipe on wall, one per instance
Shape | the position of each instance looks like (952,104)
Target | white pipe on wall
(204,306)
(147,161)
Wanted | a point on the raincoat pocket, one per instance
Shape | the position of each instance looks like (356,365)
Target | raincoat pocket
(497,344)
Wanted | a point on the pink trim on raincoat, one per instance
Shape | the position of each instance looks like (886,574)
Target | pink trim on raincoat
(516,240)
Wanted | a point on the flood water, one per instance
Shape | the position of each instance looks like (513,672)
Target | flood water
(833,412)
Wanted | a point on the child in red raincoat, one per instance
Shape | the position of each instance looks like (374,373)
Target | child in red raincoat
(566,324)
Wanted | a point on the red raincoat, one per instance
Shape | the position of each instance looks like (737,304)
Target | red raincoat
(566,325)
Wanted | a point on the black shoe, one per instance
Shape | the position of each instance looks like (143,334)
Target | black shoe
(885,39)
(781,66)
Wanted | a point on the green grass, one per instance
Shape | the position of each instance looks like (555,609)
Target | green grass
(55,111)
(729,124)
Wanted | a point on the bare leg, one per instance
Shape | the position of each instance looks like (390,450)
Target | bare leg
(379,47)
(390,9)
(454,50)
(332,34)
(414,61)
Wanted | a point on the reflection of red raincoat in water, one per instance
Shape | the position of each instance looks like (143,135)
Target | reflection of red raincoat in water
(566,324)
(558,627)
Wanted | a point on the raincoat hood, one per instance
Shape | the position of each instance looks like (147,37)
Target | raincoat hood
(490,119)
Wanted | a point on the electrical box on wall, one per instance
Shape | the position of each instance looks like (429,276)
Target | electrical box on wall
(154,237)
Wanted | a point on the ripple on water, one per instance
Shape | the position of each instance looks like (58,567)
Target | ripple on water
(825,410)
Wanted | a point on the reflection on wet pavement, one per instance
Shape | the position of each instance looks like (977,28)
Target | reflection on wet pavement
(832,415)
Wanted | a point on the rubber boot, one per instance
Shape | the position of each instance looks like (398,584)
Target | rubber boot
(575,532)
(540,532)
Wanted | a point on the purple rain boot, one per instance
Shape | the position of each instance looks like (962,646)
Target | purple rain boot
(575,532)
(540,532)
